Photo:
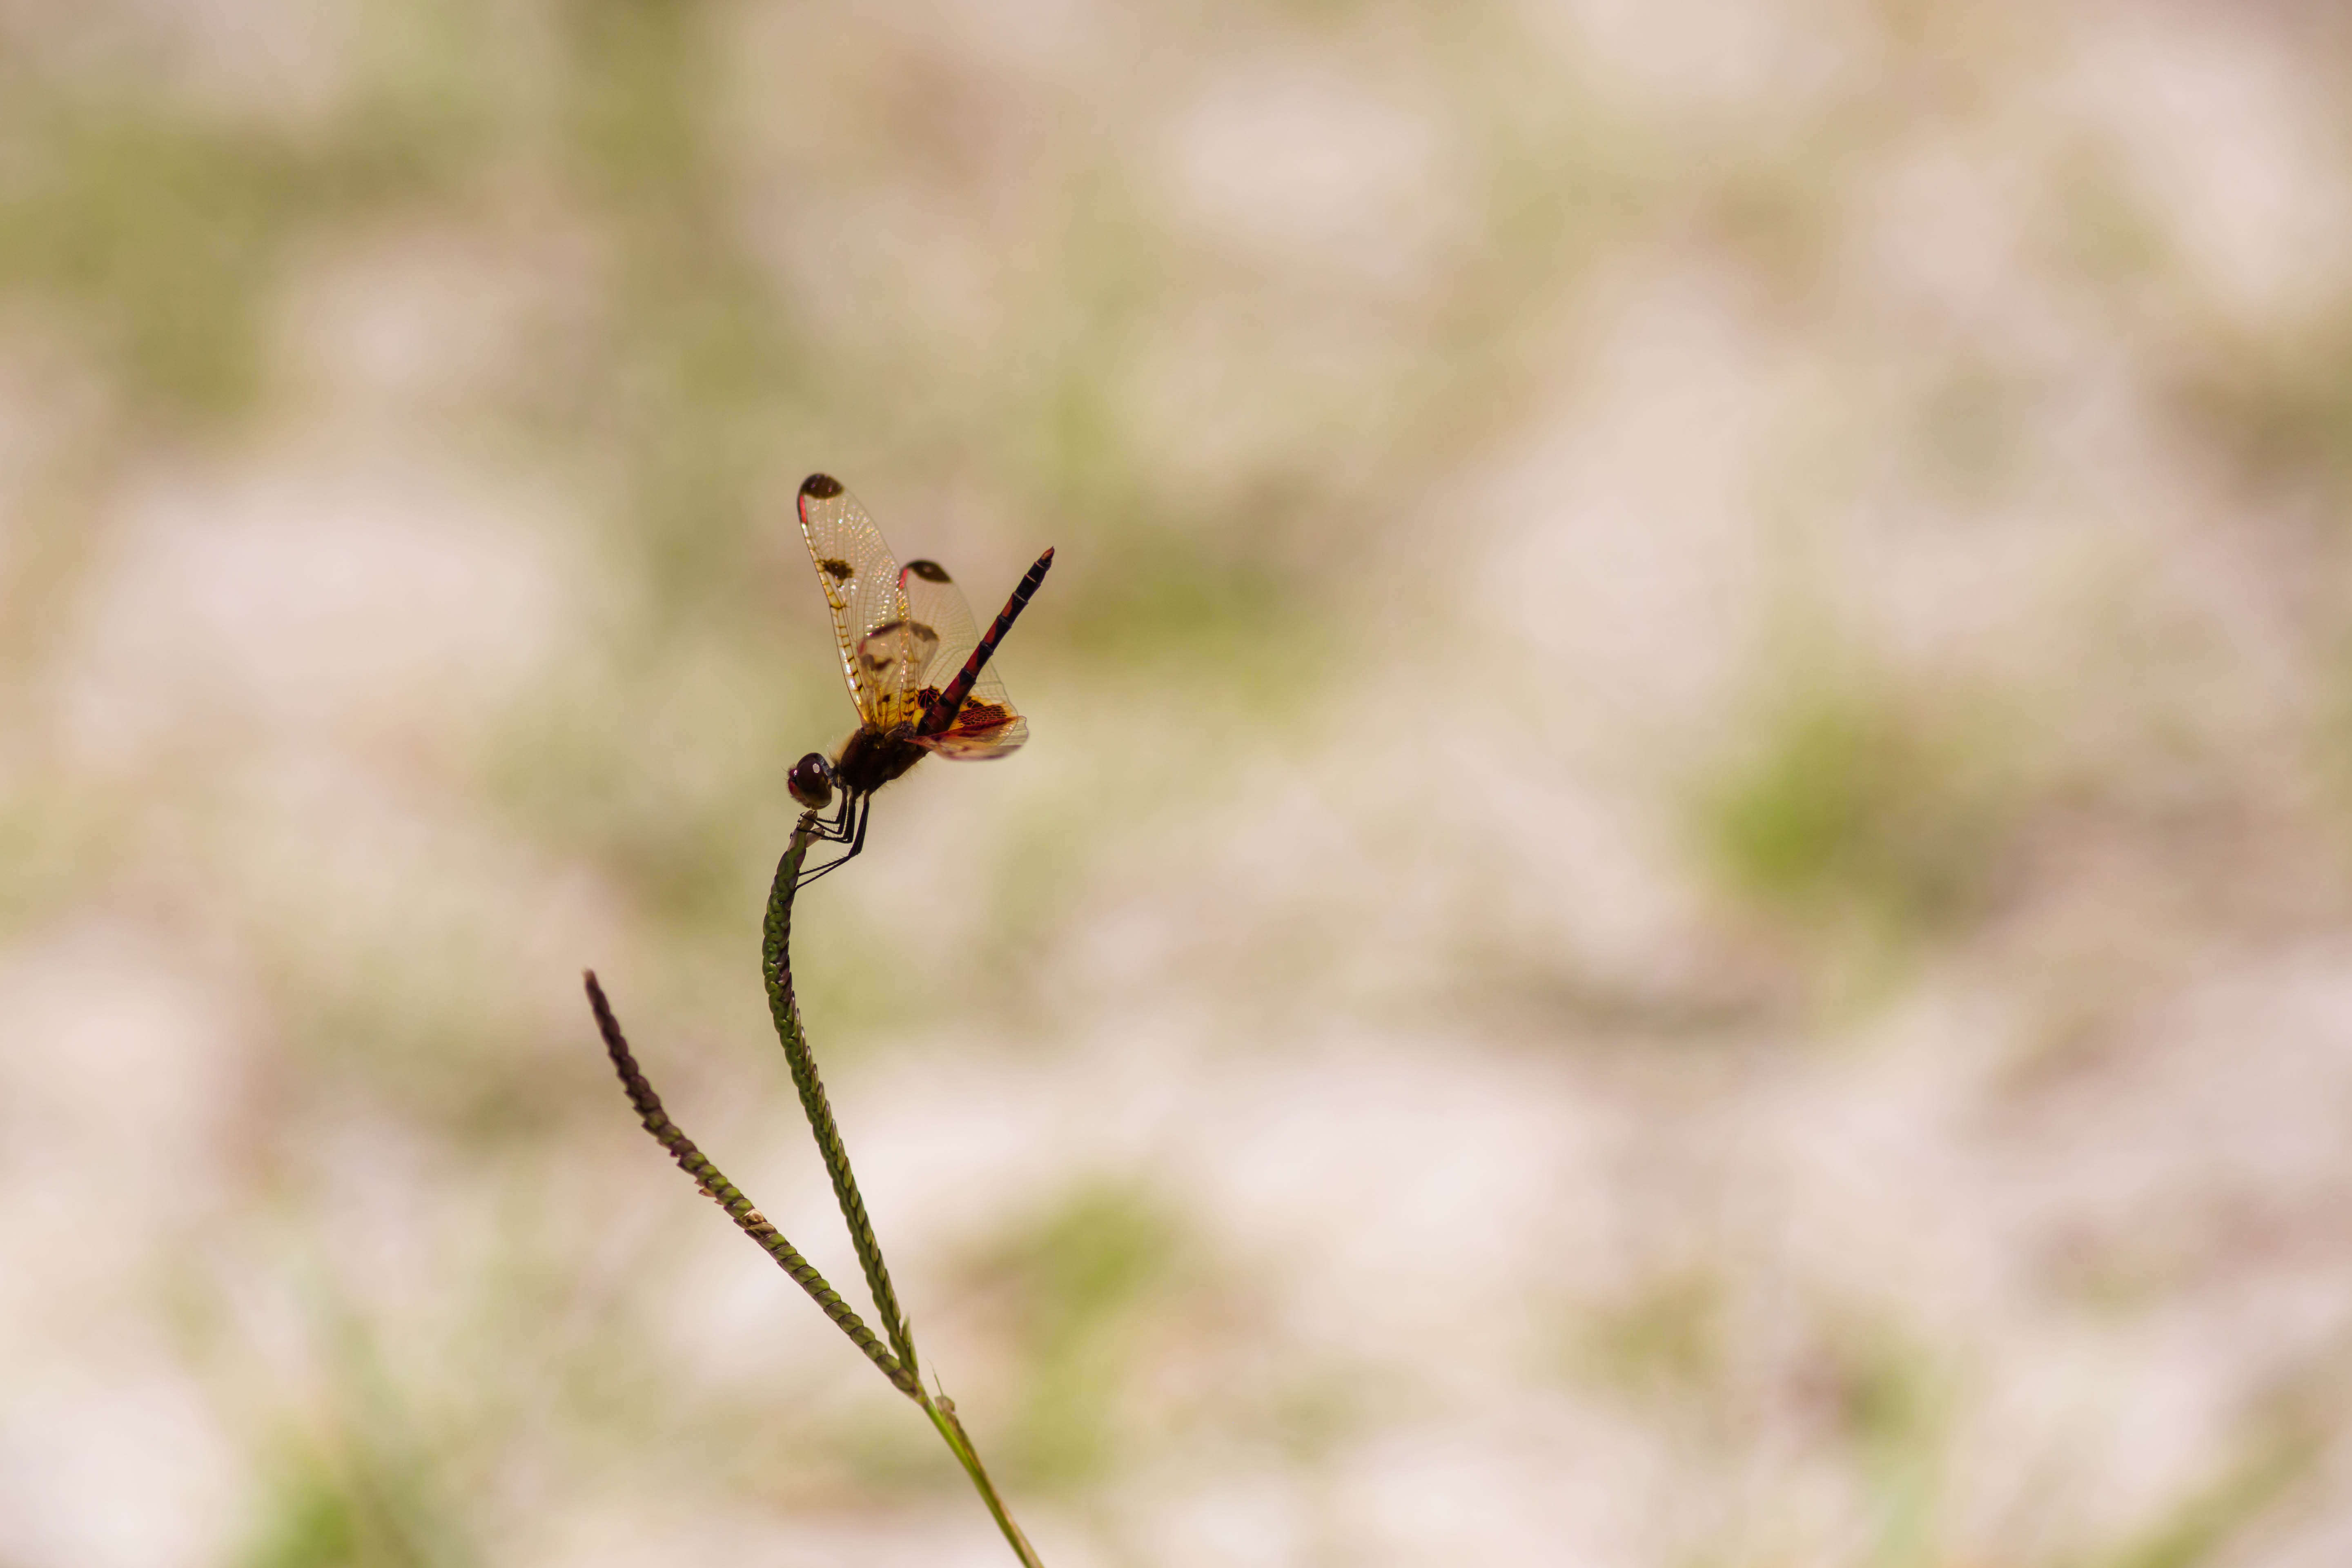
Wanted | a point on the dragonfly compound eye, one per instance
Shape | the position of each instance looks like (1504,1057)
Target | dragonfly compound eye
(811,781)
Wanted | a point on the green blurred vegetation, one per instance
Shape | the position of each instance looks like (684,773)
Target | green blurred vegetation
(317,1517)
(2211,1524)
(1860,807)
(165,230)
(354,1481)
(1082,1283)
(165,238)
(1664,1341)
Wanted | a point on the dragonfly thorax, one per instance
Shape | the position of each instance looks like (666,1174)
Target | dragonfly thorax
(872,758)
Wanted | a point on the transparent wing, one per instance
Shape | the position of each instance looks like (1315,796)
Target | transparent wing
(891,659)
(982,729)
(860,579)
(987,725)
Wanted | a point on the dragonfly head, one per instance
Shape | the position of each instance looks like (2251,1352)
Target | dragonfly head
(811,781)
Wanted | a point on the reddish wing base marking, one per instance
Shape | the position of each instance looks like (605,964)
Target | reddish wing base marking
(996,734)
(949,713)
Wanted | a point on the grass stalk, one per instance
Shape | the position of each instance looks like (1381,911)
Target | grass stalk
(728,1196)
(896,1361)
(775,967)
(942,1414)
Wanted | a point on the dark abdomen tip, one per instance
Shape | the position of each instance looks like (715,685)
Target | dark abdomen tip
(823,487)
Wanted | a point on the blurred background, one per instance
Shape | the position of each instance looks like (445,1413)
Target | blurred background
(1681,896)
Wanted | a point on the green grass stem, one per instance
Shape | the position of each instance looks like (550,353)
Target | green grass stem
(775,965)
(897,1361)
(728,1196)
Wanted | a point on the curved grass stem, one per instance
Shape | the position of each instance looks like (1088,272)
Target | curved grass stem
(775,967)
(895,1362)
(731,1198)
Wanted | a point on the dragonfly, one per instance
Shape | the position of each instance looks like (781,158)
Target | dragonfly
(917,674)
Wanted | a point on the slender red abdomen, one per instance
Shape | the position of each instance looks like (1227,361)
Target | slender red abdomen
(943,712)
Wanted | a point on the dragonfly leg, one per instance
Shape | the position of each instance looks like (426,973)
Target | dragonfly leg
(835,829)
(860,806)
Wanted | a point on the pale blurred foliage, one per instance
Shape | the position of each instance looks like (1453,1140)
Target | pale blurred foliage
(1680,897)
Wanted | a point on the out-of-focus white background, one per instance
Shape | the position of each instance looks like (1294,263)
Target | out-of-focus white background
(1681,895)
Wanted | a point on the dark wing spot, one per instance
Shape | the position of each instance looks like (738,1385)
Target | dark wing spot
(822,487)
(837,568)
(981,716)
(879,649)
(929,571)
(922,631)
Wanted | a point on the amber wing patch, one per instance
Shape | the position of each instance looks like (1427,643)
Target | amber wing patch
(860,582)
